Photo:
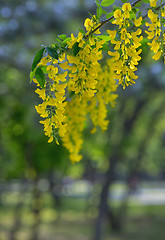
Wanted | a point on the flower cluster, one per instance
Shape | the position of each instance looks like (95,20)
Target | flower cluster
(77,86)
(91,24)
(66,95)
(126,55)
(153,3)
(155,33)
(105,96)
(83,69)
(76,112)
(52,109)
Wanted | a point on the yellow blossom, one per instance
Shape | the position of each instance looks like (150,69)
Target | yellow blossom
(153,3)
(138,21)
(126,7)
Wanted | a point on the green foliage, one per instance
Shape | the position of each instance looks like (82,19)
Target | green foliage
(100,11)
(52,52)
(132,15)
(81,31)
(40,77)
(109,15)
(106,3)
(32,74)
(105,37)
(62,36)
(37,58)
(146,1)
(76,49)
(64,43)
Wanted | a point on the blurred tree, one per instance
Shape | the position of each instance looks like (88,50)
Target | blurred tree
(135,140)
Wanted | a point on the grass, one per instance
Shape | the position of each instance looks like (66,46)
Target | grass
(76,221)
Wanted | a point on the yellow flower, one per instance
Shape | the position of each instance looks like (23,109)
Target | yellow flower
(52,71)
(153,17)
(154,32)
(117,14)
(150,34)
(153,3)
(50,139)
(61,58)
(88,24)
(157,56)
(112,33)
(126,7)
(41,93)
(64,65)
(138,21)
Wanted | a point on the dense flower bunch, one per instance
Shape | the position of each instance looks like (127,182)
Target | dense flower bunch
(53,95)
(105,96)
(155,31)
(76,112)
(73,83)
(126,43)
(68,96)
(78,109)
(83,68)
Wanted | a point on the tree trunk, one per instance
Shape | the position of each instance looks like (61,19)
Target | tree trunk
(55,191)
(17,212)
(36,208)
(103,206)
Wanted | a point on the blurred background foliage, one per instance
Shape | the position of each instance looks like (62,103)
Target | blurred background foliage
(118,187)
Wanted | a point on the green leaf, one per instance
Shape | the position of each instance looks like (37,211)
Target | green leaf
(135,10)
(55,46)
(40,77)
(32,73)
(103,11)
(105,37)
(132,15)
(146,1)
(37,58)
(99,12)
(106,3)
(65,42)
(52,52)
(82,31)
(44,69)
(58,40)
(90,14)
(139,4)
(76,48)
(97,3)
(62,36)
(124,1)
(109,15)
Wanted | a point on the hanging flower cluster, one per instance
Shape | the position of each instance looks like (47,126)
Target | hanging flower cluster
(126,43)
(105,96)
(53,95)
(83,68)
(76,113)
(73,83)
(155,31)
